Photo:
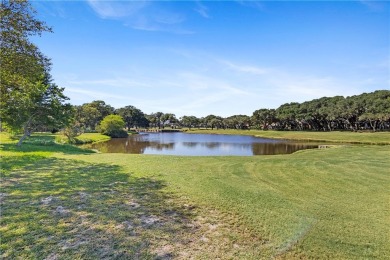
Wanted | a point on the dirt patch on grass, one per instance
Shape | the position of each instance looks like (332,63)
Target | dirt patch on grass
(88,211)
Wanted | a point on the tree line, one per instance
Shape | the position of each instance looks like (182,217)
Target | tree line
(368,111)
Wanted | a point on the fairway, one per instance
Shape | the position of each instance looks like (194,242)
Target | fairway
(327,203)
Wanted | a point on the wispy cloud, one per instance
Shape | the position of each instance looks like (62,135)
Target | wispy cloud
(141,15)
(117,9)
(286,85)
(202,10)
(372,5)
(111,82)
(259,5)
(202,82)
(53,8)
(298,88)
(244,68)
(95,95)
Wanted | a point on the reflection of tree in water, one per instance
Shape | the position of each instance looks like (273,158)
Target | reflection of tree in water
(130,145)
(211,145)
(190,144)
(216,145)
(140,144)
(279,148)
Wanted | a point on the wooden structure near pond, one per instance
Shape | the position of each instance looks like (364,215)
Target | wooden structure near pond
(157,130)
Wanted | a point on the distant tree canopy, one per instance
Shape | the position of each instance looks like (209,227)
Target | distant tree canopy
(368,111)
(29,99)
(89,115)
(362,112)
(133,117)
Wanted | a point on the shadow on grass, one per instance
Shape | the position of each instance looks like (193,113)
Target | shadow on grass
(43,143)
(57,208)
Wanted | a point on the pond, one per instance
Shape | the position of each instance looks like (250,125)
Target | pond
(199,145)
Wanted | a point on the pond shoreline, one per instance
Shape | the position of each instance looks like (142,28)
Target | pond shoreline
(369,138)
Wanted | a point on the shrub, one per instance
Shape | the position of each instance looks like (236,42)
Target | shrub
(112,125)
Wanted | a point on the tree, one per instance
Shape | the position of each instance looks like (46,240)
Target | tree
(263,118)
(133,117)
(239,121)
(190,121)
(155,119)
(112,125)
(89,115)
(169,119)
(29,99)
(208,120)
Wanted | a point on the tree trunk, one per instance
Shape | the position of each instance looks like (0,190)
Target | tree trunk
(26,133)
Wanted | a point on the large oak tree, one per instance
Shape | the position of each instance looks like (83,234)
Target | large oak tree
(29,98)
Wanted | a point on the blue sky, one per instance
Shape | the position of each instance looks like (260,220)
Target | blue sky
(215,57)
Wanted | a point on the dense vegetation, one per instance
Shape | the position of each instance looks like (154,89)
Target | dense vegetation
(29,99)
(113,125)
(368,111)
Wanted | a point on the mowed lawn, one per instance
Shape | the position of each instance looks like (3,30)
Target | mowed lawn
(63,202)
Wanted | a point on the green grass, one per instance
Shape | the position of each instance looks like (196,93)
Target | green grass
(42,143)
(325,204)
(84,138)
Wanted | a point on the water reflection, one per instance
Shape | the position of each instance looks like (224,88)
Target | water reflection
(279,148)
(198,145)
(133,145)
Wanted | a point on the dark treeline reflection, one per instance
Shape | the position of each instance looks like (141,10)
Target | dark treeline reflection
(130,145)
(279,148)
(198,145)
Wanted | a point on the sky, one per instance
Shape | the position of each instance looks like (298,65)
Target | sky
(215,57)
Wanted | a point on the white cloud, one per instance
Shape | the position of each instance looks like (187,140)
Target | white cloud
(141,15)
(117,9)
(112,82)
(245,68)
(200,84)
(94,94)
(259,5)
(202,10)
(372,5)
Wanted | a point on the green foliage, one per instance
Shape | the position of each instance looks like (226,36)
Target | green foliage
(368,111)
(29,100)
(89,115)
(112,125)
(133,117)
(190,121)
(71,132)
(155,119)
(263,118)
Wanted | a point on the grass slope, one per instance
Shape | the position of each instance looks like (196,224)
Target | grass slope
(70,204)
(84,138)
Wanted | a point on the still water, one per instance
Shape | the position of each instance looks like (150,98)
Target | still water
(198,145)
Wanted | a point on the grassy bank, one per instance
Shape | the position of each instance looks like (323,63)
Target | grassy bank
(85,138)
(330,203)
(335,136)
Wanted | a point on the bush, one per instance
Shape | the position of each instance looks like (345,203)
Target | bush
(112,125)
